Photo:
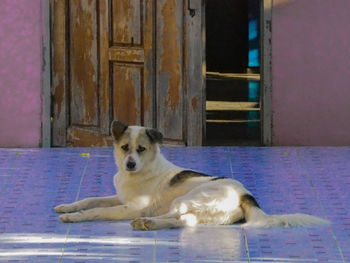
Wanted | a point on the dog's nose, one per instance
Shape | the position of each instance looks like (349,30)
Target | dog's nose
(130,165)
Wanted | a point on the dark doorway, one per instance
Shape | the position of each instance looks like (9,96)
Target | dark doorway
(233,72)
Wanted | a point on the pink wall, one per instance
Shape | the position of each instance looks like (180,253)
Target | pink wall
(20,73)
(311,72)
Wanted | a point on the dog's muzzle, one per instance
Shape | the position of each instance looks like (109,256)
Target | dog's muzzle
(131,164)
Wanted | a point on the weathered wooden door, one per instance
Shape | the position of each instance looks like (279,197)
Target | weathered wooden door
(139,61)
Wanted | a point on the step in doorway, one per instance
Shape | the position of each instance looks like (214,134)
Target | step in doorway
(233,73)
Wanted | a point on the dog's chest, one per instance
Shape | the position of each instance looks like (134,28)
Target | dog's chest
(133,192)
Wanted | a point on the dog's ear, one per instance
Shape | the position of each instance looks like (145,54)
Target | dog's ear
(118,128)
(154,135)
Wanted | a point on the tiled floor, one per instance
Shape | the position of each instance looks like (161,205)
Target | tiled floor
(284,180)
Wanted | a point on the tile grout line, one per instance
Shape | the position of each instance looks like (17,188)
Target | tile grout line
(67,231)
(76,199)
(229,160)
(321,206)
(246,248)
(155,248)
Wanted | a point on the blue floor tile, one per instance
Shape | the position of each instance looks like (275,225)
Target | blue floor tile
(314,180)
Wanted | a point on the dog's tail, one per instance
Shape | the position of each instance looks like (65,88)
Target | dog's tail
(255,217)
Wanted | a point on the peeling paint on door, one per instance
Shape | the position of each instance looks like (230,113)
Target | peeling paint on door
(126,27)
(127,94)
(83,62)
(170,58)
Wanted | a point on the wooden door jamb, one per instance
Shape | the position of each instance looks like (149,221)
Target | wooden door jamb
(46,74)
(266,71)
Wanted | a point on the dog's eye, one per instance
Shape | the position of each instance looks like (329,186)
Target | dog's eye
(125,147)
(141,149)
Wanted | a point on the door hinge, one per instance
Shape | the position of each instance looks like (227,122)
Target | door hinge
(192,6)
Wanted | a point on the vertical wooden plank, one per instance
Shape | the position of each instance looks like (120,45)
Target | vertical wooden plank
(84,103)
(149,76)
(170,69)
(104,71)
(266,78)
(195,72)
(46,79)
(59,69)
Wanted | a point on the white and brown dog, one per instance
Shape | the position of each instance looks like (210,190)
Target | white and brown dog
(158,194)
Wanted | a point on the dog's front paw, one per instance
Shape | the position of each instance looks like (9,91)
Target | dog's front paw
(72,217)
(64,208)
(143,224)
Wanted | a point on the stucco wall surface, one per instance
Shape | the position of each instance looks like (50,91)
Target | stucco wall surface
(20,73)
(311,72)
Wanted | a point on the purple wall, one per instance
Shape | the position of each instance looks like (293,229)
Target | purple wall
(311,72)
(20,73)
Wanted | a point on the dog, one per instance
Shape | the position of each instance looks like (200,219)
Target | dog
(155,193)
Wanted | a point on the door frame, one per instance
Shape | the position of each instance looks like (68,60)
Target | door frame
(195,76)
(266,71)
(46,74)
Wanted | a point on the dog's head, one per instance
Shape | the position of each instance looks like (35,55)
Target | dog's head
(134,146)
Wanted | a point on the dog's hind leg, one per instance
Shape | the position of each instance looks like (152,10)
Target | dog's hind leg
(172,220)
(236,215)
(88,203)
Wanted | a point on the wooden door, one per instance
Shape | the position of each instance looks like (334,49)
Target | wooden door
(129,60)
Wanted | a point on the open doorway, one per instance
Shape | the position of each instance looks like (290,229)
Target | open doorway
(233,72)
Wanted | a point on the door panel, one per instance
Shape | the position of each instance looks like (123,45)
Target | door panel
(127,60)
(126,22)
(127,91)
(128,55)
(101,76)
(170,69)
(83,61)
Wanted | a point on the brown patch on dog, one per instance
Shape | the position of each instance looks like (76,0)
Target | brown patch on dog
(185,175)
(218,178)
(118,128)
(247,201)
(154,135)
